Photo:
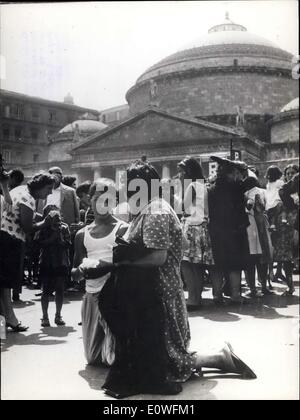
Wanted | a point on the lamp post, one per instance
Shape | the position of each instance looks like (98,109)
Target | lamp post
(231,149)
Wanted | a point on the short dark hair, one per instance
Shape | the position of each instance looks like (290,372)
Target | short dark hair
(17,174)
(250,183)
(48,208)
(68,180)
(193,169)
(83,188)
(291,166)
(55,169)
(101,182)
(39,181)
(142,170)
(273,173)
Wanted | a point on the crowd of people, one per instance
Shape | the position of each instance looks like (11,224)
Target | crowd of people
(135,267)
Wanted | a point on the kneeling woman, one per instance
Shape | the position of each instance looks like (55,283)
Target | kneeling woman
(94,243)
(152,353)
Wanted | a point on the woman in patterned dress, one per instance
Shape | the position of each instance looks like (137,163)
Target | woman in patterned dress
(160,360)
(17,221)
(198,252)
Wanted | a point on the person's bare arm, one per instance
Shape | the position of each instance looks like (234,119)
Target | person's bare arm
(5,191)
(79,255)
(27,220)
(79,249)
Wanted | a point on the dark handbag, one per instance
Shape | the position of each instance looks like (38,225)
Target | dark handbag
(128,251)
(128,291)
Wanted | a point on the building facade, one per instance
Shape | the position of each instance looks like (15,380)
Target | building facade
(115,114)
(225,92)
(231,94)
(28,126)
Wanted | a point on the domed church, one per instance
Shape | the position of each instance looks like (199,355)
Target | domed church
(64,140)
(224,94)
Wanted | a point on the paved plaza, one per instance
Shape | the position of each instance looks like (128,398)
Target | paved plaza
(48,363)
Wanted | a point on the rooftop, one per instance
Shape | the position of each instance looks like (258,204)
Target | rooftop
(224,39)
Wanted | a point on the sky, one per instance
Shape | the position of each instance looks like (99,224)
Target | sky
(97,50)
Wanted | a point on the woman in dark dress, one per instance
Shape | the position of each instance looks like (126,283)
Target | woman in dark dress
(145,307)
(228,228)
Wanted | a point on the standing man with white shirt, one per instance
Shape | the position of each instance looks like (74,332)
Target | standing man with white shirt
(64,198)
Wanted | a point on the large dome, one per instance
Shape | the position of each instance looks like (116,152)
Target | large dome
(227,68)
(71,134)
(225,39)
(84,126)
(285,125)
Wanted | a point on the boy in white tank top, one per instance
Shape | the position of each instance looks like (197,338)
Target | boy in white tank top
(94,244)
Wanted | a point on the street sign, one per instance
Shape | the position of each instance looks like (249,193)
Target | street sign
(236,155)
(212,169)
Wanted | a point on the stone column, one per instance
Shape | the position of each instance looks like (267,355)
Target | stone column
(97,173)
(78,177)
(120,176)
(165,170)
(117,170)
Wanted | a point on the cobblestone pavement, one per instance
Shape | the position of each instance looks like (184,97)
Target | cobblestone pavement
(48,363)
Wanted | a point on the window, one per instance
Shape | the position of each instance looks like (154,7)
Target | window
(52,116)
(18,157)
(6,132)
(34,112)
(6,154)
(34,134)
(6,111)
(35,157)
(235,62)
(18,110)
(18,133)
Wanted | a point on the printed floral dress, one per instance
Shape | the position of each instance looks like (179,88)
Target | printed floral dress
(159,228)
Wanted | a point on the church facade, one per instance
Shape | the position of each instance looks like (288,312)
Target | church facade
(225,93)
(231,93)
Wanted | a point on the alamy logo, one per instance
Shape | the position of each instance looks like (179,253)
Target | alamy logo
(139,193)
(2,328)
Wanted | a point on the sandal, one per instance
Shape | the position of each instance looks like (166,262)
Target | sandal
(45,322)
(59,321)
(233,364)
(18,327)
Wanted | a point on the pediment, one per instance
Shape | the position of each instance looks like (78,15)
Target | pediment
(153,128)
